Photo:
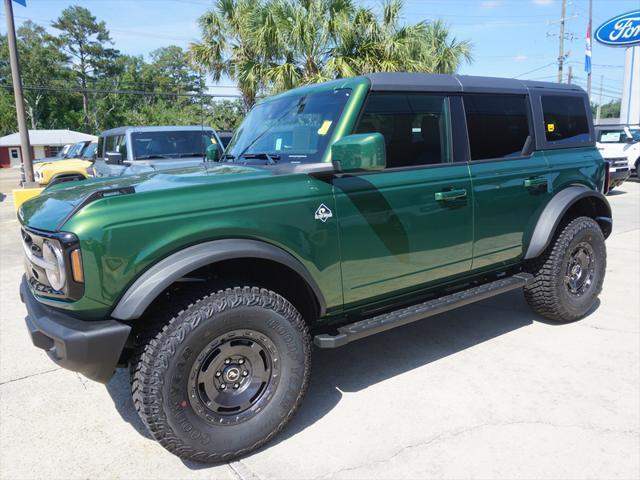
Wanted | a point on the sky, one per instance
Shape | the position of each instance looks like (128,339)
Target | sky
(511,38)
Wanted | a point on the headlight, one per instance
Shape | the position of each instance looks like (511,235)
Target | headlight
(52,255)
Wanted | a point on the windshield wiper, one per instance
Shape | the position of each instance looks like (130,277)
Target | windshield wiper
(272,158)
(155,155)
(193,154)
(227,155)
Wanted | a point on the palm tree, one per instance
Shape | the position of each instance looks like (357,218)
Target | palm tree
(274,45)
(229,45)
(306,33)
(444,54)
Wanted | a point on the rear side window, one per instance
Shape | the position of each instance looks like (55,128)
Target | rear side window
(498,125)
(565,119)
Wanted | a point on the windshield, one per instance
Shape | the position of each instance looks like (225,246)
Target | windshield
(612,136)
(90,152)
(292,129)
(170,144)
(635,132)
(75,150)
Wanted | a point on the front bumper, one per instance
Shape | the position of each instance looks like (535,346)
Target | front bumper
(617,177)
(91,348)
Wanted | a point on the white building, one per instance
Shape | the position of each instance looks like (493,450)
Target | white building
(44,143)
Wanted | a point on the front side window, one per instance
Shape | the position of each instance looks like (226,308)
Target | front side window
(110,144)
(170,144)
(293,128)
(498,125)
(565,119)
(415,127)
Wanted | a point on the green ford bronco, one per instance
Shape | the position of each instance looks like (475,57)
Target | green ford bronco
(338,211)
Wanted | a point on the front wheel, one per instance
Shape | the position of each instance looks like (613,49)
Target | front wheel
(223,376)
(570,273)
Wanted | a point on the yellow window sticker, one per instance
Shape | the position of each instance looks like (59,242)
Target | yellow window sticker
(551,127)
(324,128)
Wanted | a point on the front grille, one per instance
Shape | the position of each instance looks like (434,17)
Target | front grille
(618,162)
(32,242)
(34,265)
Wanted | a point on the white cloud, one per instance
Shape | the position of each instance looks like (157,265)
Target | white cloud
(490,3)
(543,2)
(520,58)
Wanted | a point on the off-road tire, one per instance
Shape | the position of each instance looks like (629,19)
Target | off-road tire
(162,373)
(548,295)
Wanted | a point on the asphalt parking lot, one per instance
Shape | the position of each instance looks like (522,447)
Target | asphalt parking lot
(487,391)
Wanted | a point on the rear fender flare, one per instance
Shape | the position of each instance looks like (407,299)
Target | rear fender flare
(554,211)
(146,288)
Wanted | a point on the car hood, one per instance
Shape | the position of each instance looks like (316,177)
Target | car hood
(61,164)
(48,159)
(55,205)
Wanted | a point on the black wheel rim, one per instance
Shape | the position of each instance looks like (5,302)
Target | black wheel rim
(580,269)
(234,377)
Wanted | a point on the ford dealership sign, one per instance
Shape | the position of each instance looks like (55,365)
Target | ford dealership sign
(620,31)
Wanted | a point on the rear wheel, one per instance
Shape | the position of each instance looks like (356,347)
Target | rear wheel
(223,376)
(570,273)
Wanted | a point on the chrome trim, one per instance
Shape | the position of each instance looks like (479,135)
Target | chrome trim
(40,262)
(60,267)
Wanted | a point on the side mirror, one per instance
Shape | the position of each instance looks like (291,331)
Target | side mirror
(364,151)
(113,158)
(212,152)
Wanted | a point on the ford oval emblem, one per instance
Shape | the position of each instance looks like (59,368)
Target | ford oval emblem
(620,31)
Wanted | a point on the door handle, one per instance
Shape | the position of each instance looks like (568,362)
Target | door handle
(450,195)
(535,182)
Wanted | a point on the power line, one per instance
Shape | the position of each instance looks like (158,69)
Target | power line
(120,92)
(535,70)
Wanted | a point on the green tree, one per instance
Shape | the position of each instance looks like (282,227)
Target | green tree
(42,67)
(84,38)
(230,46)
(273,45)
(610,109)
(171,70)
(224,114)
(7,112)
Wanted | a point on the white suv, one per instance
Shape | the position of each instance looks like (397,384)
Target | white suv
(620,146)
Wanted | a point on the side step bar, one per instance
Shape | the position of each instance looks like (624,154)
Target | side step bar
(397,318)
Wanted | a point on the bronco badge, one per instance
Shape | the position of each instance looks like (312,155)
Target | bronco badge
(323,213)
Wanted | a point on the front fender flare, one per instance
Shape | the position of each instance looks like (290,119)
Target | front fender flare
(555,210)
(153,281)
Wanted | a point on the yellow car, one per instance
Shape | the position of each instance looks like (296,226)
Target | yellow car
(64,170)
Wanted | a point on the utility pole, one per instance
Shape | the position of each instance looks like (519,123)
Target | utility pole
(17,93)
(561,52)
(599,101)
(590,46)
(570,76)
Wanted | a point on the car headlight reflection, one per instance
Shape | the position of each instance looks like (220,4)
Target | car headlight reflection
(52,255)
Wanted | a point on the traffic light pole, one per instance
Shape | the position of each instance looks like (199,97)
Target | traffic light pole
(17,92)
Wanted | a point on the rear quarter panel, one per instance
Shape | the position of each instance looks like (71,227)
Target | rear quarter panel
(569,167)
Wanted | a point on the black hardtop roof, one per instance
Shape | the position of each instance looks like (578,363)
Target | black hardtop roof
(421,82)
(159,128)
